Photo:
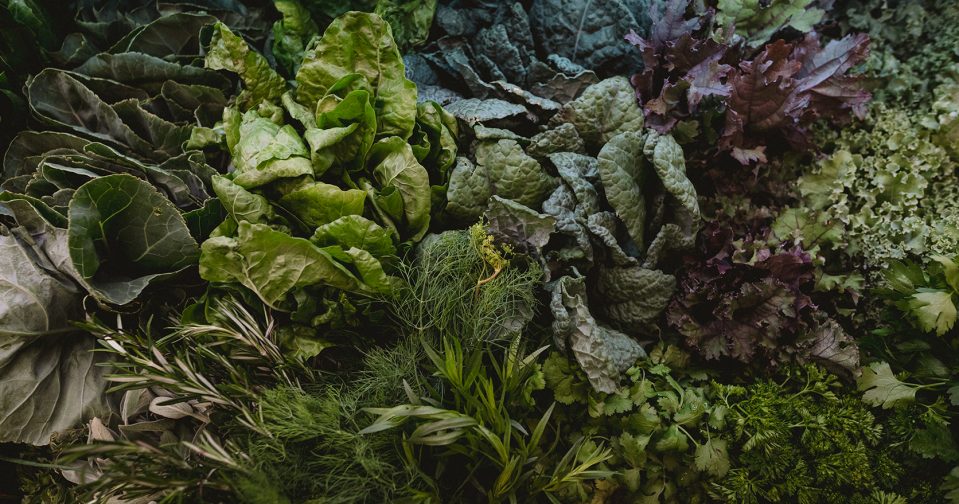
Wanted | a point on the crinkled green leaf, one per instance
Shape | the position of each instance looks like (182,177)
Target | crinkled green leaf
(355,231)
(272,263)
(603,111)
(397,167)
(603,353)
(362,43)
(318,203)
(230,52)
(633,297)
(623,170)
(291,34)
(266,151)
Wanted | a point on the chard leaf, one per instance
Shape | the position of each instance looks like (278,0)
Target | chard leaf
(397,167)
(229,51)
(355,231)
(266,151)
(318,203)
(272,263)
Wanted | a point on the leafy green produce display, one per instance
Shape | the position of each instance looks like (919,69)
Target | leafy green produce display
(464,251)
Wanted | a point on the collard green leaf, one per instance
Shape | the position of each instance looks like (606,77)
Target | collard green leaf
(123,234)
(49,378)
(61,99)
(363,44)
(271,263)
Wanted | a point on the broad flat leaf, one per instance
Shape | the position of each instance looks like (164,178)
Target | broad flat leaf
(123,234)
(271,263)
(362,43)
(60,98)
(882,388)
(49,380)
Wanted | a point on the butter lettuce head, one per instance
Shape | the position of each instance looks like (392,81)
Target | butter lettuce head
(335,193)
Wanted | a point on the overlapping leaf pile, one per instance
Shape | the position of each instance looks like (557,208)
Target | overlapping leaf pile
(438,251)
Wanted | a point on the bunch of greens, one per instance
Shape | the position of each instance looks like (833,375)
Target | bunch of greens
(749,292)
(914,45)
(105,200)
(602,203)
(516,61)
(892,188)
(753,97)
(331,177)
(676,436)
